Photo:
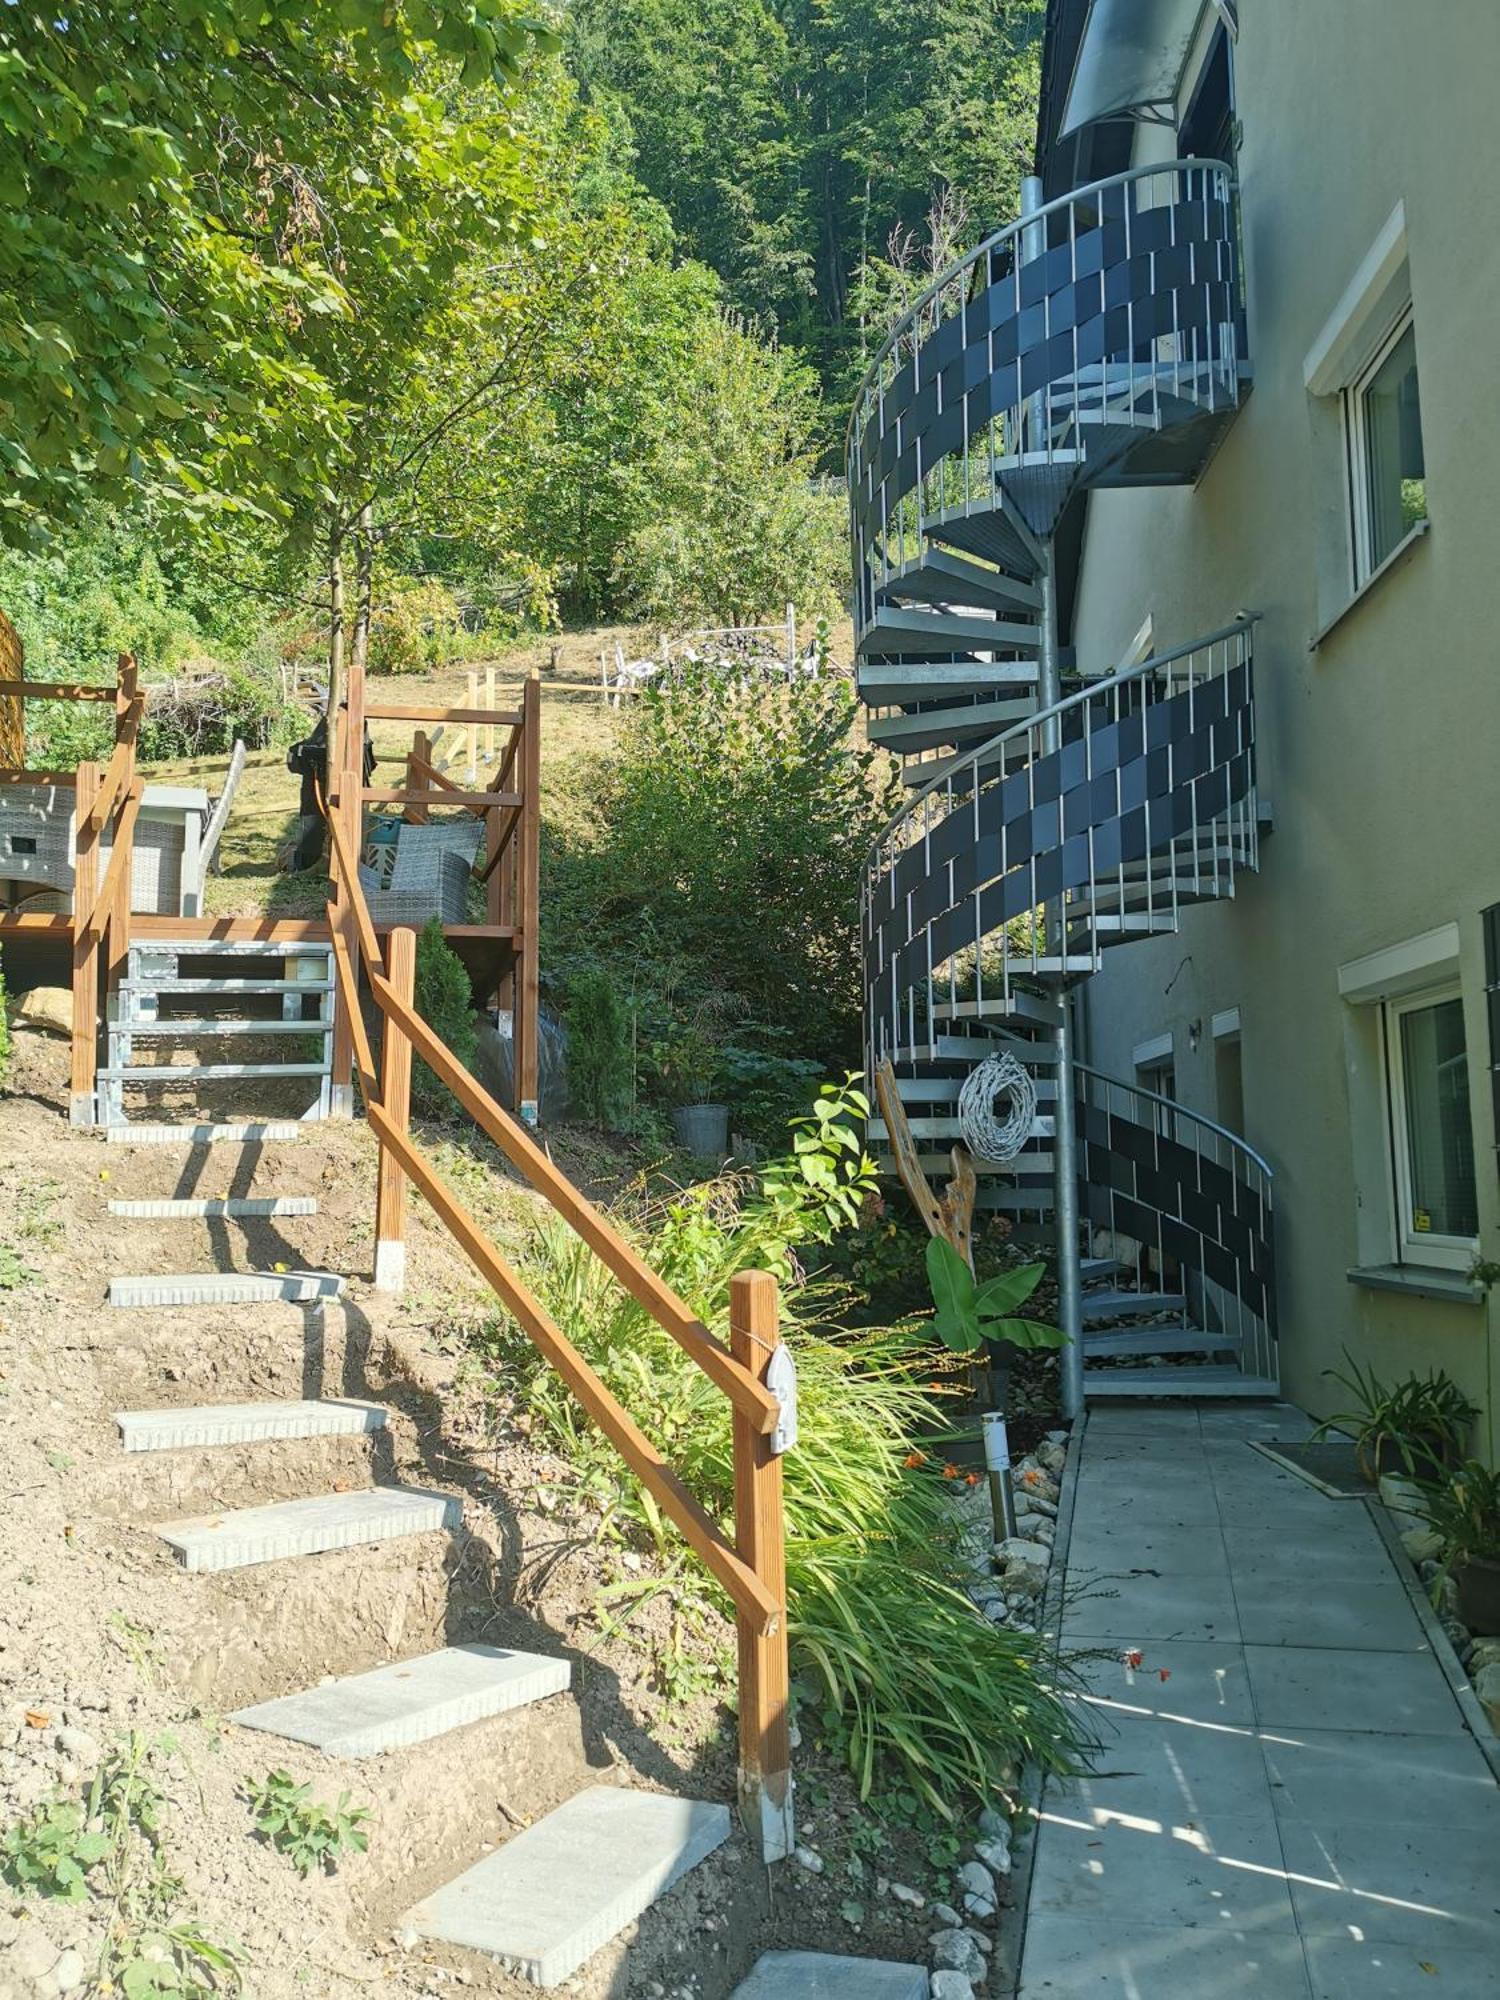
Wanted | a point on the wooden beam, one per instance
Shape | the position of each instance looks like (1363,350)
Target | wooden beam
(395,1100)
(527,994)
(765,1778)
(118,871)
(274,932)
(83,1107)
(378,796)
(65,780)
(503,718)
(58,690)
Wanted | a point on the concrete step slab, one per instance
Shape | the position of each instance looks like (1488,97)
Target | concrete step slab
(255,1132)
(410,1700)
(186,1210)
(225,1288)
(309,1527)
(549,1899)
(244,1423)
(818,1975)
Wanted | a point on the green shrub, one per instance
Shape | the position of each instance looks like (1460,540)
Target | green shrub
(897,1670)
(415,627)
(301,1828)
(445,1002)
(598,1049)
(729,844)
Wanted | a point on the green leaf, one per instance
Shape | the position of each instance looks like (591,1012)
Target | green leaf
(1000,1295)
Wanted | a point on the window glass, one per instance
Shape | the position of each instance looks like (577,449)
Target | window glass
(1439,1142)
(1395,476)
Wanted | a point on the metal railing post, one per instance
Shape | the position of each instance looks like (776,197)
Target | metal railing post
(395,1101)
(1064,1131)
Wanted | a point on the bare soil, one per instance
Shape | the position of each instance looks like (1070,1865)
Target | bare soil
(101,1632)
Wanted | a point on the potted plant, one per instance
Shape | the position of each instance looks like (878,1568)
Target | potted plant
(688,1061)
(1465,1514)
(1418,1426)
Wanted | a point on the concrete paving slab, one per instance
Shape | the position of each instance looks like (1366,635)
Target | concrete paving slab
(225,1288)
(1345,1969)
(309,1527)
(1267,1420)
(1368,1611)
(186,1209)
(1140,1420)
(549,1899)
(1183,1679)
(1331,1688)
(1109,1543)
(1074,1958)
(1331,1775)
(1175,1772)
(1223,1872)
(814,1975)
(1394,1884)
(1151,1604)
(1161,1513)
(410,1700)
(243,1423)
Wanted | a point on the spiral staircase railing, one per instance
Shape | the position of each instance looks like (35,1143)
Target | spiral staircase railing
(1096,342)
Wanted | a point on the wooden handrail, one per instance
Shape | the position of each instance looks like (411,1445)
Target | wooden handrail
(749,1396)
(502,843)
(382,796)
(698,1527)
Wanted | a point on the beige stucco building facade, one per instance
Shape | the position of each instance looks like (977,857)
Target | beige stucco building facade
(1314,1011)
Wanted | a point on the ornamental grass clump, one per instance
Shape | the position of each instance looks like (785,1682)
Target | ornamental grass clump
(895,1667)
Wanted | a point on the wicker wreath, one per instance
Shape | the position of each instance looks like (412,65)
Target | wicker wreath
(997,1108)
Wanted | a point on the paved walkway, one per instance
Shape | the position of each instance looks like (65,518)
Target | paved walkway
(1287,1804)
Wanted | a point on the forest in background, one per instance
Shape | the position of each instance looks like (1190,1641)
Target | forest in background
(479,324)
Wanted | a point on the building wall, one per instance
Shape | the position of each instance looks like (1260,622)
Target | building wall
(1379,750)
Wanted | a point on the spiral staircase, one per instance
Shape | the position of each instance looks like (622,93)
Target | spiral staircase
(1097,342)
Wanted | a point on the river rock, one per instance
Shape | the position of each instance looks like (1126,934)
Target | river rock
(995,1854)
(948,1985)
(1487,1687)
(1017,1549)
(978,1886)
(956,1951)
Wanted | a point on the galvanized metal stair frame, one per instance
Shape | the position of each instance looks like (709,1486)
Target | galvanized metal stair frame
(1097,342)
(230,992)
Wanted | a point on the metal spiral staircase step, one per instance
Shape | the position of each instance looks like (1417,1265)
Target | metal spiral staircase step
(943,576)
(916,629)
(931,728)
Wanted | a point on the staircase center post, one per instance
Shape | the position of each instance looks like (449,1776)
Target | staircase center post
(1064,1133)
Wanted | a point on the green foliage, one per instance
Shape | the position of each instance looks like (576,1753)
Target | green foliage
(52,1852)
(306,1832)
(598,1051)
(897,1670)
(181,221)
(1423,1420)
(1465,1513)
(414,628)
(791,141)
(445,1002)
(967,1316)
(730,837)
(111,1845)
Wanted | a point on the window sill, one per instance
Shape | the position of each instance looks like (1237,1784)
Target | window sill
(1417,1281)
(1402,549)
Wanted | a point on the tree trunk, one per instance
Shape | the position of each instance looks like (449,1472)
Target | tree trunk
(335,630)
(364,567)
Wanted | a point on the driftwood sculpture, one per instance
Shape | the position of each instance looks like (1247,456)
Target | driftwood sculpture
(950,1214)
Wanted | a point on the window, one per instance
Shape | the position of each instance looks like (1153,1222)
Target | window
(1206,129)
(1387,477)
(1156,1070)
(1437,1215)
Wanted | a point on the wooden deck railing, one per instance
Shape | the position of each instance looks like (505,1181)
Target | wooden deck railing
(103,804)
(751,1567)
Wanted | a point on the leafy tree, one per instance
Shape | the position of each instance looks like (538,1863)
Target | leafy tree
(167,232)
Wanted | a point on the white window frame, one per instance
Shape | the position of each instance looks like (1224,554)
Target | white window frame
(1416,1246)
(1357,452)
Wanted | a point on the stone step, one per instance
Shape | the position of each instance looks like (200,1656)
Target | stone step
(254,1133)
(411,1700)
(243,1423)
(549,1899)
(309,1527)
(818,1975)
(251,1204)
(221,1288)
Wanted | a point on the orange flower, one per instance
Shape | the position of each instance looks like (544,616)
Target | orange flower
(914,1459)
(1132,1658)
(1032,1476)
(971,1479)
(1164,1673)
(950,1470)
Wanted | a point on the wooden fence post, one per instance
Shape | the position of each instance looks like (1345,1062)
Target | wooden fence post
(82,1107)
(760,1539)
(127,731)
(528,900)
(421,753)
(395,1101)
